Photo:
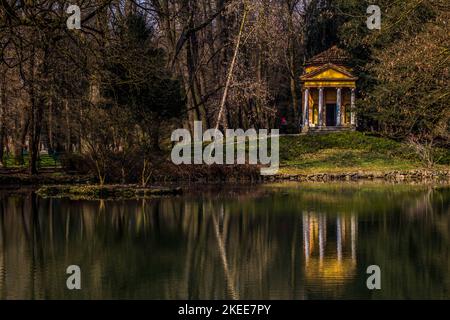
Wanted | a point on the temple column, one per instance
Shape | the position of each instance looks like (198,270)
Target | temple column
(320,107)
(352,108)
(354,232)
(338,106)
(322,237)
(306,108)
(306,235)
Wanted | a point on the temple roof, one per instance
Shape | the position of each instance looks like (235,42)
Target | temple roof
(333,55)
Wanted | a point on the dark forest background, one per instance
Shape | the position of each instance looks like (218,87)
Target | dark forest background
(111,93)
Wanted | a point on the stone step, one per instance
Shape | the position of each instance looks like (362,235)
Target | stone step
(318,130)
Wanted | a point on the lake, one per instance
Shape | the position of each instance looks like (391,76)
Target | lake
(280,241)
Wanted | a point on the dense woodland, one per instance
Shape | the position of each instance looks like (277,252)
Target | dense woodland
(108,95)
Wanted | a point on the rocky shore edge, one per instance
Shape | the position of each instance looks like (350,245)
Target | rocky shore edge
(390,176)
(105,191)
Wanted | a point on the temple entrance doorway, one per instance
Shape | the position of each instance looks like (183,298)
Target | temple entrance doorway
(330,115)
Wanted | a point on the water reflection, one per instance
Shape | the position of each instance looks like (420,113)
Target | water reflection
(277,242)
(330,259)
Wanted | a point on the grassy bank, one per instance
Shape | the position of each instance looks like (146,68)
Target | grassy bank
(349,152)
(338,156)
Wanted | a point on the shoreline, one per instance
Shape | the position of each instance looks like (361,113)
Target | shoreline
(18,180)
(85,188)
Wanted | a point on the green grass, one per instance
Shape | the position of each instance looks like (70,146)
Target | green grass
(45,161)
(329,153)
(345,152)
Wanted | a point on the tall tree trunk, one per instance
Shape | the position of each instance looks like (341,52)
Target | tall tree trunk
(68,129)
(35,132)
(2,118)
(230,71)
(154,136)
(37,86)
(292,57)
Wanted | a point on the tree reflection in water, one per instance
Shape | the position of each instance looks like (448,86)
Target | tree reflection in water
(279,242)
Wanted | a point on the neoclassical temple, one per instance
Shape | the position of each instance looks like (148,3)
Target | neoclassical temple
(328,93)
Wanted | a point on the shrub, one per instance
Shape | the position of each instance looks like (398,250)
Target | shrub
(73,162)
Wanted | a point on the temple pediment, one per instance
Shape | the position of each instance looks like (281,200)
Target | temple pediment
(329,72)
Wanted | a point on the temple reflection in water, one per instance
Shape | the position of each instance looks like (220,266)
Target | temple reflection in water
(329,245)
